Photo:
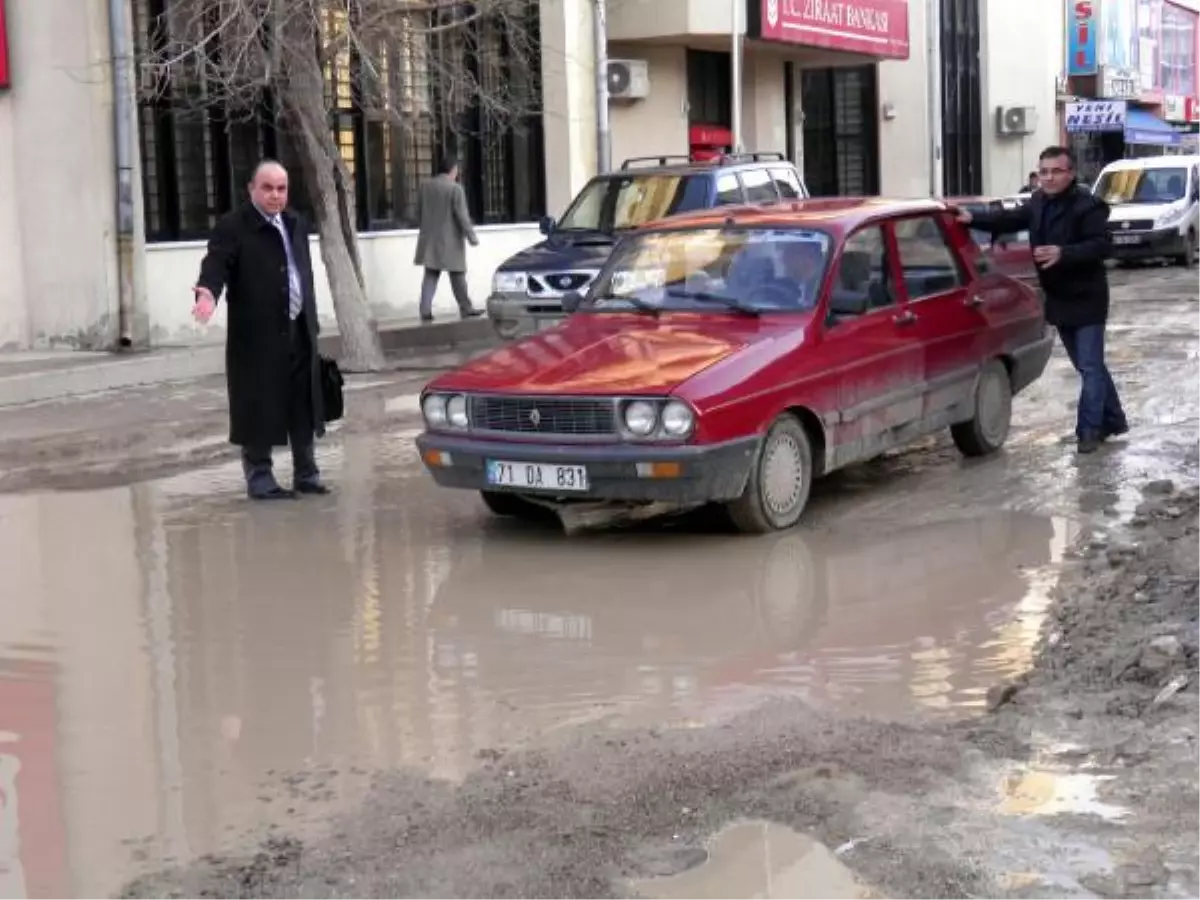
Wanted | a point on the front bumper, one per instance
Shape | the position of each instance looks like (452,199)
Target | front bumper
(697,473)
(1147,244)
(513,315)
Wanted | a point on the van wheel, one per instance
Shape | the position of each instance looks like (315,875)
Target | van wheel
(1190,250)
(988,430)
(779,483)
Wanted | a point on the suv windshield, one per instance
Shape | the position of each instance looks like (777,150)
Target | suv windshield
(616,203)
(749,270)
(1142,186)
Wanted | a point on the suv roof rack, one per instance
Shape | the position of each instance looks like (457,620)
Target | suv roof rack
(762,156)
(665,160)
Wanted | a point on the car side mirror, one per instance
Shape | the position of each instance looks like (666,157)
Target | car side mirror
(546,225)
(572,301)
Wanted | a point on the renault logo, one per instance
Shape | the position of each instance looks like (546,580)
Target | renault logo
(535,418)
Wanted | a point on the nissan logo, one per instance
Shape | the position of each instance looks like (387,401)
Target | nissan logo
(564,281)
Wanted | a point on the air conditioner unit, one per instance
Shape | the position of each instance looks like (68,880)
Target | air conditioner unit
(1016,119)
(628,79)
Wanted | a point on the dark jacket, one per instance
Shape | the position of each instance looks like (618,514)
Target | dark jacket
(247,260)
(1076,286)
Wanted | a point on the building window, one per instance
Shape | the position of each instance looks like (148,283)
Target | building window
(392,114)
(962,115)
(1177,68)
(841,137)
(710,88)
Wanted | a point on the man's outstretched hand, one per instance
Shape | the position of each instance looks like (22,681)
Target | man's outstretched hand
(205,306)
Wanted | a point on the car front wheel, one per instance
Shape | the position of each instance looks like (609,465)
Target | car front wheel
(779,483)
(1190,248)
(988,430)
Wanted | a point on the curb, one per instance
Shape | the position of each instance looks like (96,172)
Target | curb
(188,363)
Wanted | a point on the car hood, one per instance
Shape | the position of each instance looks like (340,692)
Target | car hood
(612,353)
(585,250)
(1128,212)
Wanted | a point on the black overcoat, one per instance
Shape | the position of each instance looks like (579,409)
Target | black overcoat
(246,258)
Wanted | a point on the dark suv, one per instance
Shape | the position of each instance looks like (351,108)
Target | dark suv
(528,288)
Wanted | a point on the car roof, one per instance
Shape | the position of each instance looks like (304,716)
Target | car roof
(1152,162)
(696,167)
(839,214)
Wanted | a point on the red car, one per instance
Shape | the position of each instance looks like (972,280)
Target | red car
(731,356)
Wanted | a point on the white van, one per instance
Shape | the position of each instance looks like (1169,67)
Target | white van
(1155,205)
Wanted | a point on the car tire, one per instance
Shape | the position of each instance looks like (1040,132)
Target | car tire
(987,431)
(780,481)
(508,505)
(1188,258)
(506,329)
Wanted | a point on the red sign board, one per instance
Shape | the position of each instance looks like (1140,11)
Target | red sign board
(871,27)
(4,79)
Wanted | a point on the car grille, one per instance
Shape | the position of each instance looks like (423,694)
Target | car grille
(536,415)
(558,282)
(1134,225)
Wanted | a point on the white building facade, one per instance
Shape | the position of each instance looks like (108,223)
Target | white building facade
(841,87)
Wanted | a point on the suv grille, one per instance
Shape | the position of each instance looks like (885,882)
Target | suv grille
(558,282)
(538,415)
(1134,225)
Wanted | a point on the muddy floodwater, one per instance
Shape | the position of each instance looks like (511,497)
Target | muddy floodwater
(180,669)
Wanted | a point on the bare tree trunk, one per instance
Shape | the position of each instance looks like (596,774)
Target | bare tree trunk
(332,194)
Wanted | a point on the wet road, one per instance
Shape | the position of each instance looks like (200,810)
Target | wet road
(178,667)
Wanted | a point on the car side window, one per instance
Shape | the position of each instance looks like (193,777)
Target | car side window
(787,183)
(729,189)
(862,280)
(927,263)
(759,186)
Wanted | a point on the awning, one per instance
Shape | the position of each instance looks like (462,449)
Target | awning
(1142,127)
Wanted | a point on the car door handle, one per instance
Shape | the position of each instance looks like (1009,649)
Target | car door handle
(975,300)
(905,318)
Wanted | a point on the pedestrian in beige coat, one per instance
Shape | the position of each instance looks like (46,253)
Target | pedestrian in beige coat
(444,228)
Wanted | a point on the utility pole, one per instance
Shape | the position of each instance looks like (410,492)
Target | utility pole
(934,77)
(735,58)
(603,128)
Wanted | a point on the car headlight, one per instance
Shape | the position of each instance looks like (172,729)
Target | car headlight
(677,419)
(510,283)
(641,418)
(434,409)
(1171,217)
(456,411)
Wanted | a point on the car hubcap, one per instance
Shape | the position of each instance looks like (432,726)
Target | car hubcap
(782,475)
(993,410)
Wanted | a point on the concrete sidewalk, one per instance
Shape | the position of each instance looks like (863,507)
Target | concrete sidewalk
(38,376)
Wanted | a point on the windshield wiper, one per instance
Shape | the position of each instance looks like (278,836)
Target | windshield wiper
(636,302)
(730,303)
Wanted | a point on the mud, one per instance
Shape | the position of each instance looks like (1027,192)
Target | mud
(958,678)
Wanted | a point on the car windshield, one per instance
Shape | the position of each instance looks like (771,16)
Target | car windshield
(1142,186)
(616,203)
(742,270)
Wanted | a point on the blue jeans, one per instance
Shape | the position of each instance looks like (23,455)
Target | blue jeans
(1100,413)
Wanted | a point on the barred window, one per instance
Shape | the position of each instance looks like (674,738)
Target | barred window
(427,88)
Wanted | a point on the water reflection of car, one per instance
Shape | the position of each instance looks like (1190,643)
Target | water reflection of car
(528,288)
(732,356)
(714,613)
(1155,204)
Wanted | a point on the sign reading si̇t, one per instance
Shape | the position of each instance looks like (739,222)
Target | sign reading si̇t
(4,79)
(876,28)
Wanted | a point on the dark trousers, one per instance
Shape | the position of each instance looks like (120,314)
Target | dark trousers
(1100,412)
(458,284)
(256,461)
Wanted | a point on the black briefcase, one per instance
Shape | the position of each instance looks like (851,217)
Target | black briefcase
(331,389)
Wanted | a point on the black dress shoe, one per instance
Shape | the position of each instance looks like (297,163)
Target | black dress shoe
(1116,432)
(1089,445)
(426,320)
(274,492)
(312,488)
(472,313)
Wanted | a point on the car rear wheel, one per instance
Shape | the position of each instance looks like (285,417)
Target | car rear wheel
(988,430)
(779,483)
(508,505)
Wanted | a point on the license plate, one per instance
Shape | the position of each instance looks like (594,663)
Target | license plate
(536,476)
(1127,239)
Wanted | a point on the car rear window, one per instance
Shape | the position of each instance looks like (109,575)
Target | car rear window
(759,186)
(787,183)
